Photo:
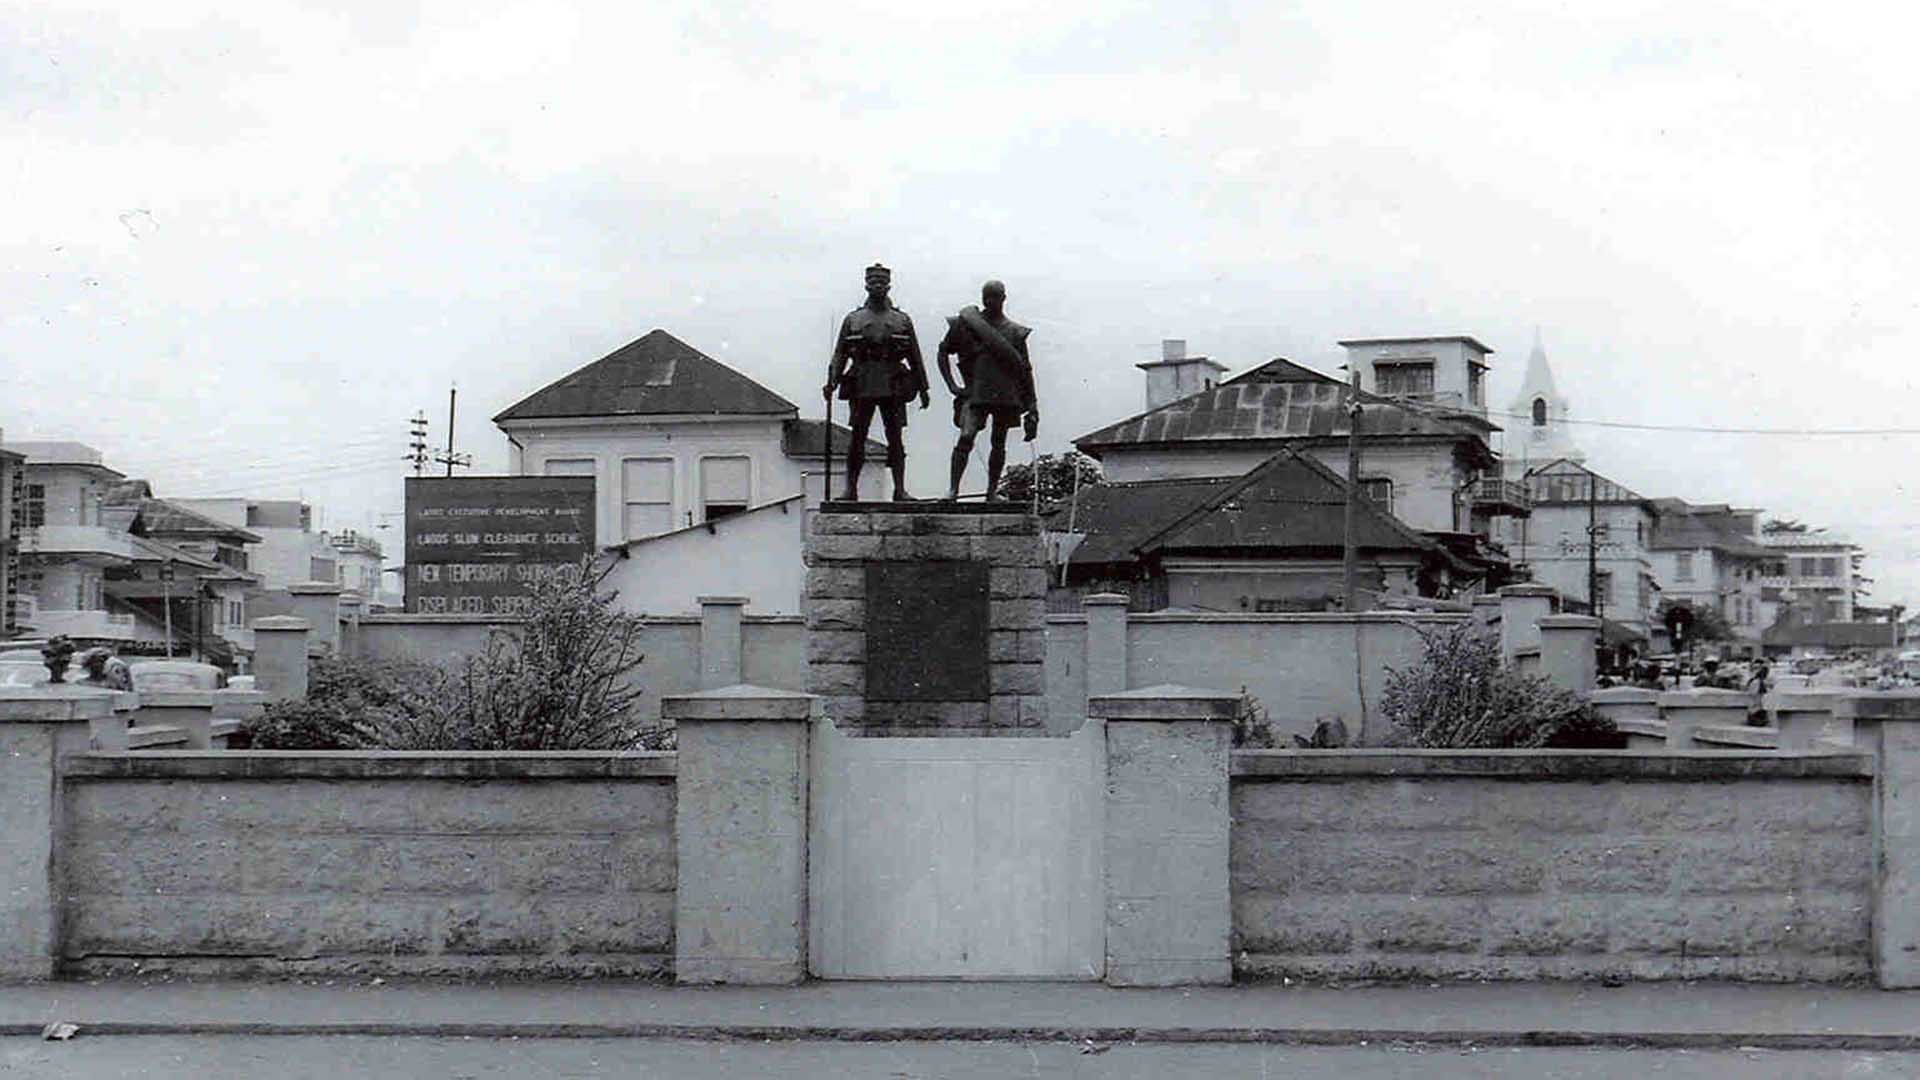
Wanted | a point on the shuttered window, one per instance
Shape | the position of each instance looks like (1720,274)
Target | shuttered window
(647,490)
(725,486)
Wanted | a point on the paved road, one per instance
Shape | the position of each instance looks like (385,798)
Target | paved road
(334,1057)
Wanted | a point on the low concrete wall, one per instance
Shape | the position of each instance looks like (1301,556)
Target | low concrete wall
(1515,865)
(1301,667)
(773,648)
(243,862)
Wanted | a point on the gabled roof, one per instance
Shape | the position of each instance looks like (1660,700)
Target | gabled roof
(1681,526)
(1572,477)
(801,439)
(654,375)
(1280,400)
(1289,504)
(158,517)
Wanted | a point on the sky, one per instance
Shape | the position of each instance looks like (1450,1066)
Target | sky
(240,244)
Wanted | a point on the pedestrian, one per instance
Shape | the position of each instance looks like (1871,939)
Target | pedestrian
(1757,681)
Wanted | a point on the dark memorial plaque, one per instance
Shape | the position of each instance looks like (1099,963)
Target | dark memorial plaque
(927,631)
(477,544)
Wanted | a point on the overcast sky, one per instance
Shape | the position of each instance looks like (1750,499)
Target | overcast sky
(241,243)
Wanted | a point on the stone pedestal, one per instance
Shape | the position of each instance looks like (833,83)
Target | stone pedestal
(1521,609)
(1169,906)
(280,657)
(1567,654)
(1687,710)
(318,602)
(927,618)
(740,831)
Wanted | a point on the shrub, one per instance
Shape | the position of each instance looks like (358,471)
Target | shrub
(1461,696)
(559,680)
(341,694)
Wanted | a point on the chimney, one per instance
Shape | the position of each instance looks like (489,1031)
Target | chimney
(1176,375)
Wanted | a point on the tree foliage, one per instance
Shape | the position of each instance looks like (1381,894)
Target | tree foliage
(1056,477)
(1708,623)
(562,679)
(1461,696)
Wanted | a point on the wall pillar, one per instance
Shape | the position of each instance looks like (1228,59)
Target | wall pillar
(720,641)
(280,657)
(1106,643)
(740,908)
(318,602)
(1521,609)
(1890,724)
(1567,644)
(1169,904)
(37,725)
(1486,611)
(189,710)
(1802,716)
(1686,710)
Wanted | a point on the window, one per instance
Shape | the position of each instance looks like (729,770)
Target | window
(647,488)
(569,467)
(1476,385)
(1602,589)
(237,612)
(34,512)
(1404,380)
(1379,491)
(1683,566)
(1539,412)
(725,486)
(1829,567)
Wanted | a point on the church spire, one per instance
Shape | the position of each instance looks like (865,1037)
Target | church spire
(1537,428)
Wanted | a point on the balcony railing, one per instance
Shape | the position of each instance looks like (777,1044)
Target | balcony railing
(100,625)
(1502,498)
(76,540)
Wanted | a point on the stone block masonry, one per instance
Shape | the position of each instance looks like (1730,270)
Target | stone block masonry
(448,864)
(987,565)
(1445,864)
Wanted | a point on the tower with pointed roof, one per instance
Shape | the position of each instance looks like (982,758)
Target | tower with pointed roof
(1537,432)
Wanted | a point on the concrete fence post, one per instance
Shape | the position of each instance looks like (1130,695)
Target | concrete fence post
(1567,655)
(1168,905)
(1106,643)
(280,657)
(189,710)
(1521,609)
(1802,716)
(318,602)
(1686,710)
(1486,611)
(720,663)
(740,831)
(1889,723)
(37,725)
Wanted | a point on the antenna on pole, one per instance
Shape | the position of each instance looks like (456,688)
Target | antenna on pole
(449,458)
(417,443)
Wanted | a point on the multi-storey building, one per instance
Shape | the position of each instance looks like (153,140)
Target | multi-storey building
(1812,573)
(1710,556)
(1424,453)
(1589,537)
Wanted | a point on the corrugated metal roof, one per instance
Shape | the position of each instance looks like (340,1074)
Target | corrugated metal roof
(654,375)
(1279,400)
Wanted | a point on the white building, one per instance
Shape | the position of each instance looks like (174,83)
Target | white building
(677,443)
(1574,508)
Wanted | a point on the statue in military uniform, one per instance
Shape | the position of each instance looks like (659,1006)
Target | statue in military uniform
(996,382)
(877,367)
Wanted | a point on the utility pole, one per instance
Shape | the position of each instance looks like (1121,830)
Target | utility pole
(417,442)
(1594,531)
(450,458)
(166,584)
(1350,558)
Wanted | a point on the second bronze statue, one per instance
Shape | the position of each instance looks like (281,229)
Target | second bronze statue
(995,387)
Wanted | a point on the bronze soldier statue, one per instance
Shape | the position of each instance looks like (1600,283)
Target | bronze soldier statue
(877,367)
(996,382)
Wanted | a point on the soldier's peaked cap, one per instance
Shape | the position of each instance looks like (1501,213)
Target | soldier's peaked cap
(879,271)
